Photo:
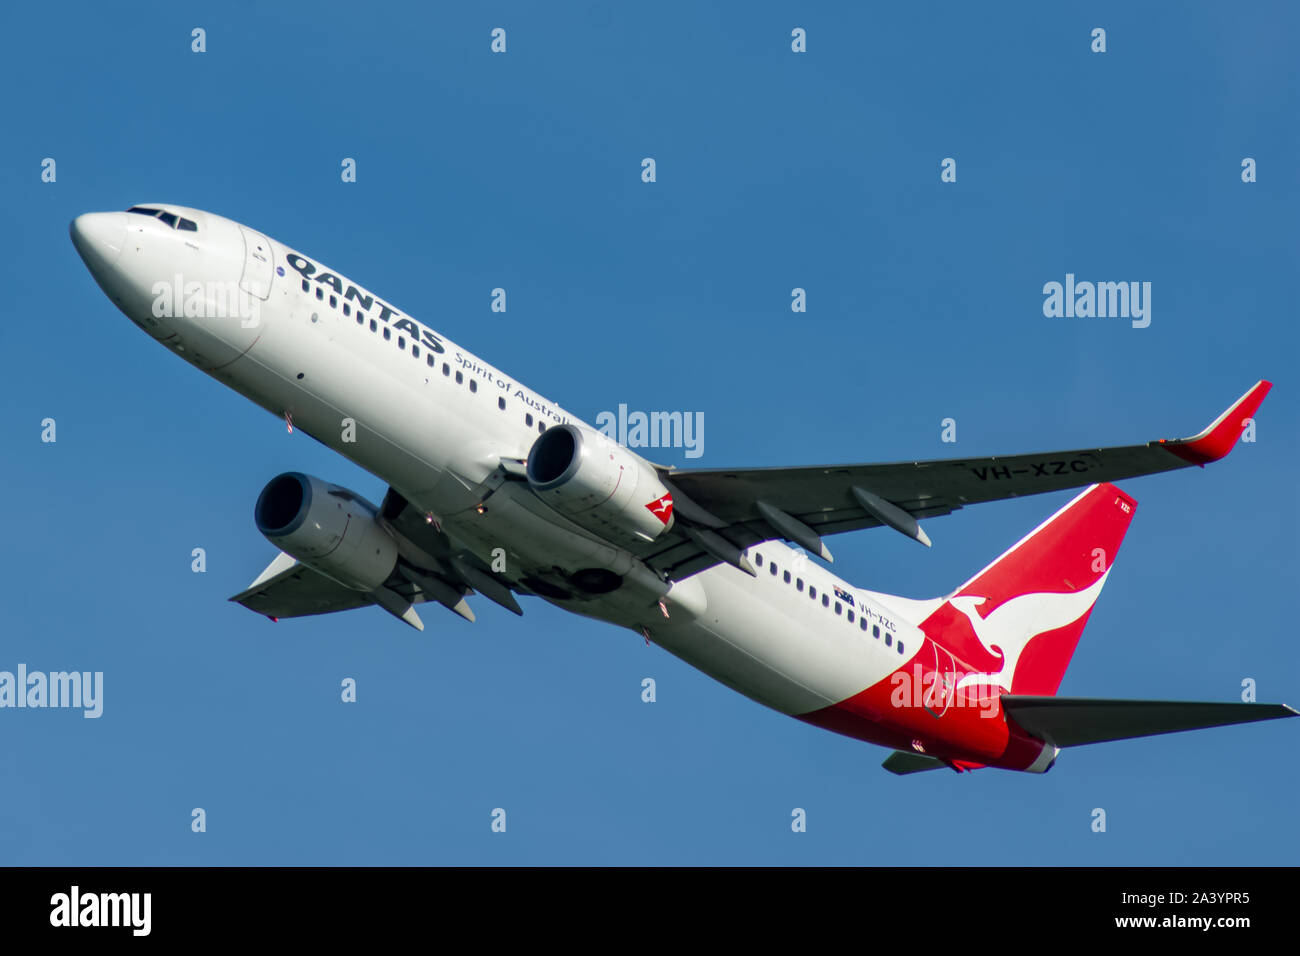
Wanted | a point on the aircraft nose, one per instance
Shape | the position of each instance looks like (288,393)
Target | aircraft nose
(99,237)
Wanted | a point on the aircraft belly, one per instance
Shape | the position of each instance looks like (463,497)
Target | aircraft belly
(347,404)
(773,653)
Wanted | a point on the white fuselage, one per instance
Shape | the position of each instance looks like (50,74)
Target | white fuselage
(434,421)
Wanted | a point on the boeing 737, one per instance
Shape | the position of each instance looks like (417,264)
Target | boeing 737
(497,491)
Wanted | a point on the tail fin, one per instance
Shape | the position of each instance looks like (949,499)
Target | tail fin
(1017,622)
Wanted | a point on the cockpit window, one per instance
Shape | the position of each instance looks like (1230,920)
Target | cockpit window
(176,222)
(186,225)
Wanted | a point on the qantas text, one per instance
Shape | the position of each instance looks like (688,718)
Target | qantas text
(365,302)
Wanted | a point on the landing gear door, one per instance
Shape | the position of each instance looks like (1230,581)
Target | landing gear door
(258,264)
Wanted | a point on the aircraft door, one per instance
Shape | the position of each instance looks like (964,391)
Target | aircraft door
(259,265)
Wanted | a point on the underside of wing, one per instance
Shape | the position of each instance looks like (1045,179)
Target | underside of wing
(289,589)
(740,507)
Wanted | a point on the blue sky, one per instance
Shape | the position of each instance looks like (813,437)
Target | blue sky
(774,171)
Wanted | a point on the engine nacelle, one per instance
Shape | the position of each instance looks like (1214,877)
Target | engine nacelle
(328,528)
(599,484)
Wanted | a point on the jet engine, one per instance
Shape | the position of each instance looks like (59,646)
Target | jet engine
(599,484)
(328,528)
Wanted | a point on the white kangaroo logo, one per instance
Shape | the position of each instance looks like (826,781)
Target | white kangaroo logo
(1007,631)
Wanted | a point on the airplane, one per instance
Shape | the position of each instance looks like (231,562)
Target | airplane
(497,491)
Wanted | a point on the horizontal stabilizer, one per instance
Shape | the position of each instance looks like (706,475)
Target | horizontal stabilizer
(1073,721)
(901,762)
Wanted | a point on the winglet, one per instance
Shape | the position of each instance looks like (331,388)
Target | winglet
(1217,439)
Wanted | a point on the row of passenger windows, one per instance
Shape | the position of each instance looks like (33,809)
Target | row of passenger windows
(863,624)
(176,222)
(429,358)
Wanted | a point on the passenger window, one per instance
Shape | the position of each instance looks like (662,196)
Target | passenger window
(306,286)
(388,333)
(875,630)
(771,567)
(839,608)
(528,420)
(446,369)
(850,617)
(541,427)
(501,403)
(401,343)
(863,624)
(374,326)
(460,379)
(334,302)
(900,647)
(889,639)
(798,584)
(347,309)
(826,600)
(812,592)
(415,350)
(758,558)
(320,293)
(429,360)
(473,385)
(786,577)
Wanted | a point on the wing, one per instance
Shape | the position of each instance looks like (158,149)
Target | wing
(289,589)
(728,510)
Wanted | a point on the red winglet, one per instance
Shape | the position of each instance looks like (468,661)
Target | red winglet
(1217,440)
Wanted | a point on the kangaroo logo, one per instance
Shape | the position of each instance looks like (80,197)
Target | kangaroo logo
(662,508)
(1012,625)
